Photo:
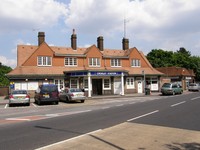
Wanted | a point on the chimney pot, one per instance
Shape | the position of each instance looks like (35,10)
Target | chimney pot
(73,40)
(100,43)
(41,38)
(125,44)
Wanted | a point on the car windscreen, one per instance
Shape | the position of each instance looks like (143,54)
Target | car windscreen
(75,90)
(192,84)
(49,89)
(19,92)
(167,85)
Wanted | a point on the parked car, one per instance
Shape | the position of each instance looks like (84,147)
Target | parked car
(19,97)
(47,93)
(193,87)
(72,94)
(171,89)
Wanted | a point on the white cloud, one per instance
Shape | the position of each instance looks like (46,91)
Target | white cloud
(8,62)
(157,22)
(29,14)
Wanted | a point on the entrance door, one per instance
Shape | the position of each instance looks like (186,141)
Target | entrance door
(139,86)
(117,86)
(97,86)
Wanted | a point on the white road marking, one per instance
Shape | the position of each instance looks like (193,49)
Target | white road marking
(153,112)
(178,104)
(195,98)
(48,146)
(119,105)
(132,103)
(18,119)
(6,106)
(52,115)
(105,108)
(34,105)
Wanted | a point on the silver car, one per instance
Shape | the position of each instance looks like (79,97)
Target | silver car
(19,97)
(72,94)
(193,87)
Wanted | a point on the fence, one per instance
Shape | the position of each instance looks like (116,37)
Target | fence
(4,90)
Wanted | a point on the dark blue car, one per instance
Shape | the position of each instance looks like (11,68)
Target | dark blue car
(47,93)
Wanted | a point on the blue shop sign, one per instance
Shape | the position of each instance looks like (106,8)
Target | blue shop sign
(106,73)
(74,74)
(12,85)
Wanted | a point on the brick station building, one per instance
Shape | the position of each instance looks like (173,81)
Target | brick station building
(98,70)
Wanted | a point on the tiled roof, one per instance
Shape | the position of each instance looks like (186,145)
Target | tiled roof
(25,51)
(67,50)
(176,71)
(35,70)
(114,53)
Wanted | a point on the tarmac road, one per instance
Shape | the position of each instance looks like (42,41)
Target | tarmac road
(173,127)
(144,128)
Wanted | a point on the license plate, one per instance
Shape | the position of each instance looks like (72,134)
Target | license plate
(20,97)
(46,96)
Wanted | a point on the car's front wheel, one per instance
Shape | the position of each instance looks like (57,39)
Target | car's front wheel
(67,100)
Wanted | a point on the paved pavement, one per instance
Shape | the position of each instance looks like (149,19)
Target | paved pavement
(130,136)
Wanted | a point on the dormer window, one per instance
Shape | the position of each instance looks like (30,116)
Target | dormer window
(94,62)
(135,63)
(70,61)
(115,62)
(44,61)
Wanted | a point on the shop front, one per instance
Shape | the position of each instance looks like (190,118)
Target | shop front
(97,82)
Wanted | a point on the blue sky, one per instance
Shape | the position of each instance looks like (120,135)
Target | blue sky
(150,24)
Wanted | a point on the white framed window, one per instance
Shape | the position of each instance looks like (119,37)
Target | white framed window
(115,62)
(106,84)
(136,63)
(130,83)
(44,61)
(59,83)
(85,83)
(74,83)
(94,62)
(70,61)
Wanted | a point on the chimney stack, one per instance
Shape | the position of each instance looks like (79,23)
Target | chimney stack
(100,43)
(125,44)
(41,38)
(73,40)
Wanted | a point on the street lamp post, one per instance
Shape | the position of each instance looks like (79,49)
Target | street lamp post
(143,73)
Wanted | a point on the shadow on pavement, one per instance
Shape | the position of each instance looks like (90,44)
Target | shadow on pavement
(186,146)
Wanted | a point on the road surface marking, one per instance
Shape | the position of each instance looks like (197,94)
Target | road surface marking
(195,98)
(178,104)
(153,112)
(132,103)
(6,106)
(18,119)
(119,105)
(34,105)
(41,148)
(105,108)
(52,115)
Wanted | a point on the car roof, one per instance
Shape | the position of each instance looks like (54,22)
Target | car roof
(19,90)
(48,85)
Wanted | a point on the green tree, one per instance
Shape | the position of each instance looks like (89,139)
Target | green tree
(184,52)
(195,65)
(3,71)
(180,58)
(160,58)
